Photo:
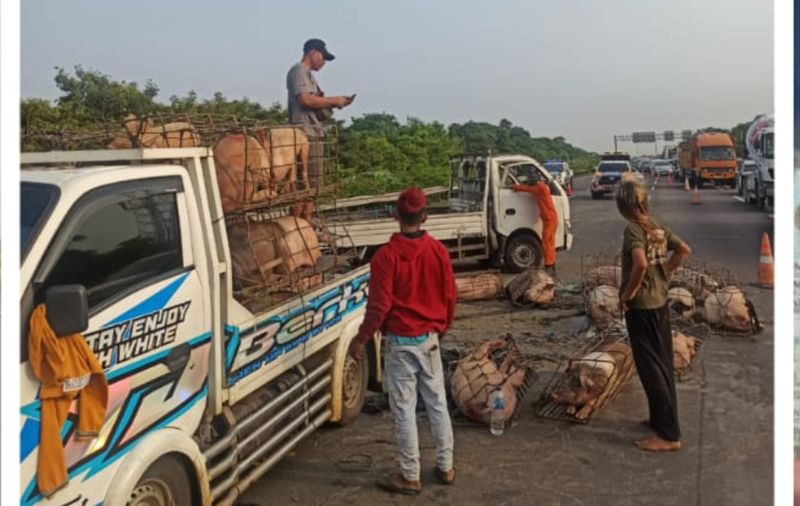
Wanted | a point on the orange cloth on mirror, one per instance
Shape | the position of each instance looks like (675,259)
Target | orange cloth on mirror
(68,370)
(547,212)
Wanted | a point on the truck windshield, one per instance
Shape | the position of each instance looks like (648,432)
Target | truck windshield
(554,168)
(717,153)
(613,167)
(36,202)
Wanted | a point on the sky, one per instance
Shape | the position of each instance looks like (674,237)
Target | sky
(581,69)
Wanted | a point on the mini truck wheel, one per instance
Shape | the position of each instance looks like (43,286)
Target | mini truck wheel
(355,376)
(165,483)
(522,252)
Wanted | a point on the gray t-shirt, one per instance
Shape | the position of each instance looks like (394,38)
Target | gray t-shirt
(300,80)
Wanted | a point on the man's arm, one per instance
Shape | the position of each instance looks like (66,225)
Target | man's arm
(451,293)
(311,101)
(379,303)
(679,255)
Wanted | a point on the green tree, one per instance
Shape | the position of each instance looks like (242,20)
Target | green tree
(91,97)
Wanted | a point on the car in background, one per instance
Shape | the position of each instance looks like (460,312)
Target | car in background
(745,171)
(662,168)
(560,171)
(607,176)
(645,165)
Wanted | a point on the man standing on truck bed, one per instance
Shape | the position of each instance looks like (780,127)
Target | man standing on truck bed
(412,300)
(547,212)
(307,104)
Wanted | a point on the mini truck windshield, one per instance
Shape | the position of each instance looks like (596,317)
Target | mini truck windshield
(36,202)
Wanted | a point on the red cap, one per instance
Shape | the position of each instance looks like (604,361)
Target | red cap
(411,201)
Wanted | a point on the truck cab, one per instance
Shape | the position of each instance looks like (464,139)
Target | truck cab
(760,145)
(714,158)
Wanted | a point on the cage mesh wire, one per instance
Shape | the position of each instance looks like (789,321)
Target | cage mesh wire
(682,367)
(285,173)
(599,269)
(480,393)
(721,304)
(564,378)
(519,284)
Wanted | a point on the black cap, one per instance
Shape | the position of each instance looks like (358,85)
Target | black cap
(319,45)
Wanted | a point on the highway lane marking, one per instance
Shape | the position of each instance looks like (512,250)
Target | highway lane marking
(740,199)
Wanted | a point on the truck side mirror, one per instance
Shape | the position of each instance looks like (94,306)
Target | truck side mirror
(67,309)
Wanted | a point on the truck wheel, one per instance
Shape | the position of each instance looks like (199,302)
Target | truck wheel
(355,376)
(165,483)
(595,196)
(523,251)
(760,199)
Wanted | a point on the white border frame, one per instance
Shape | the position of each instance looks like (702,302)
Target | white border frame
(9,226)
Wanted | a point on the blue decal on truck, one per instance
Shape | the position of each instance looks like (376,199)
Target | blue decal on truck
(114,447)
(249,350)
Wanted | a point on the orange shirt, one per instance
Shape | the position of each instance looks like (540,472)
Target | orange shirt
(68,370)
(544,199)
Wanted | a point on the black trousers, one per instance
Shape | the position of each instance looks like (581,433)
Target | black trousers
(651,343)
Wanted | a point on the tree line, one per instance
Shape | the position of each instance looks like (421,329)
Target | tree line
(376,152)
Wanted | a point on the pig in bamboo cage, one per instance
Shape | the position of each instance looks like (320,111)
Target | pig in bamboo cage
(685,348)
(600,270)
(495,363)
(583,383)
(533,287)
(701,293)
(271,179)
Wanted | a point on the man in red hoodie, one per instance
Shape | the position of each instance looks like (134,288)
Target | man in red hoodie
(540,191)
(412,301)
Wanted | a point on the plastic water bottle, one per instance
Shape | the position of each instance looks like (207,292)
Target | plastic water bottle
(498,405)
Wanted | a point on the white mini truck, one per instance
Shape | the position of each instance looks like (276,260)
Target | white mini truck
(483,218)
(204,395)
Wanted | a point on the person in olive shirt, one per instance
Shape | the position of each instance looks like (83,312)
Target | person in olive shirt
(646,268)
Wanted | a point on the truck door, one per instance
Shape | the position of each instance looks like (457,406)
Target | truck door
(518,210)
(129,245)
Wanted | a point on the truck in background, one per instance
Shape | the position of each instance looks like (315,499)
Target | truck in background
(206,392)
(759,144)
(708,157)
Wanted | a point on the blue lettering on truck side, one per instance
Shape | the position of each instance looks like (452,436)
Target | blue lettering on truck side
(246,351)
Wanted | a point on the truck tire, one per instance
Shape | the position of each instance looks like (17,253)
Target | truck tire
(760,199)
(355,377)
(523,251)
(596,195)
(166,482)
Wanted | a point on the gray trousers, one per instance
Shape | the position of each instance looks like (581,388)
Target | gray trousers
(410,368)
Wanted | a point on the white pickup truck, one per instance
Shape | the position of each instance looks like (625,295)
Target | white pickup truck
(129,247)
(482,219)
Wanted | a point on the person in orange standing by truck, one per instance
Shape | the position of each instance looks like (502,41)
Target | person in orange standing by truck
(547,212)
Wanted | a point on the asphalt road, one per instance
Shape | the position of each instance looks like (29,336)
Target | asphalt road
(725,403)
(720,230)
